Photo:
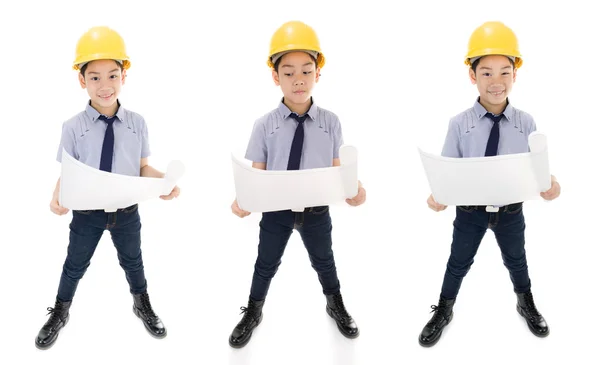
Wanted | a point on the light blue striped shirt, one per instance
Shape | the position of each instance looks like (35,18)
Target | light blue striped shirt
(83,135)
(468,132)
(272,136)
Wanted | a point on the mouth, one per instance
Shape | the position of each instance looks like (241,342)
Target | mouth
(299,92)
(496,93)
(106,97)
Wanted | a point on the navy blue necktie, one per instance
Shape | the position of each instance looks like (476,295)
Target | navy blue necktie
(492,144)
(108,145)
(297,142)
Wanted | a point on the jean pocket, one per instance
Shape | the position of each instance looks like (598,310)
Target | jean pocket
(465,208)
(514,209)
(130,209)
(319,210)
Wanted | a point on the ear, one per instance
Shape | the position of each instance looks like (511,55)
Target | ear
(472,76)
(317,74)
(514,74)
(275,77)
(123,76)
(81,81)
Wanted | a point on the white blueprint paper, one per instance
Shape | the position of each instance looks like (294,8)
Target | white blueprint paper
(86,188)
(496,180)
(267,191)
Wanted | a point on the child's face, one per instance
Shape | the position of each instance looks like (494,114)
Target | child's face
(297,76)
(103,80)
(494,78)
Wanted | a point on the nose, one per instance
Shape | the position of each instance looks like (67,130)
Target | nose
(105,86)
(497,79)
(299,82)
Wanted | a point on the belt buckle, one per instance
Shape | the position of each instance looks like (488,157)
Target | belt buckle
(492,209)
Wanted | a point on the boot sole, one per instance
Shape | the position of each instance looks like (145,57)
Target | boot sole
(529,326)
(48,346)
(240,345)
(430,344)
(340,328)
(147,330)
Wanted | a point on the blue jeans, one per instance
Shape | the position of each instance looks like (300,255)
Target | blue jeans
(314,226)
(87,228)
(470,226)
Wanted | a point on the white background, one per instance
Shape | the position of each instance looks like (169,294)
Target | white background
(395,76)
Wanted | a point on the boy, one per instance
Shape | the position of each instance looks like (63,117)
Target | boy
(114,139)
(296,135)
(491,127)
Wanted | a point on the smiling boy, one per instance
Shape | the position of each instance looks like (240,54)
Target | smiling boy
(493,126)
(113,139)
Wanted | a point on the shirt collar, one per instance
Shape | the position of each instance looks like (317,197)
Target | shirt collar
(285,112)
(94,114)
(480,111)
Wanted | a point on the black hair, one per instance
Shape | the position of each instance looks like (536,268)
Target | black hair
(276,65)
(474,64)
(84,67)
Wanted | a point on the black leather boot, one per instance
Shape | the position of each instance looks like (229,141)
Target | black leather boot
(243,331)
(143,309)
(433,329)
(336,310)
(59,316)
(526,308)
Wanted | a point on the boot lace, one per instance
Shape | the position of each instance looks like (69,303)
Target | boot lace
(530,305)
(248,315)
(54,317)
(339,307)
(439,313)
(146,306)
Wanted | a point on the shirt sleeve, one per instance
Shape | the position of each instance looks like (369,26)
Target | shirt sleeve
(257,146)
(145,142)
(338,139)
(452,143)
(533,126)
(67,141)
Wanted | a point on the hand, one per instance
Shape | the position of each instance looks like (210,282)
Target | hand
(57,208)
(435,205)
(553,192)
(174,194)
(359,198)
(235,208)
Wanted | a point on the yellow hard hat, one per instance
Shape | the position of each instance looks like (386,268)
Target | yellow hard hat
(100,43)
(292,36)
(493,38)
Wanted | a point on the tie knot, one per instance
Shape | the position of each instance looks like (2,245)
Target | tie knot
(494,118)
(107,119)
(299,119)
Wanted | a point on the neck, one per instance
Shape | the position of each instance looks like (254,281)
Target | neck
(494,108)
(108,111)
(299,109)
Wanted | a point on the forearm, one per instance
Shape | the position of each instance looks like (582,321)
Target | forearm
(149,171)
(56,189)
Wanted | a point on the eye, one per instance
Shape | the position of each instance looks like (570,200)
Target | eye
(288,75)
(114,76)
(487,74)
(307,72)
(94,78)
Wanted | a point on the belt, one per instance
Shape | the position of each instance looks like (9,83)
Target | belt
(492,209)
(102,210)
